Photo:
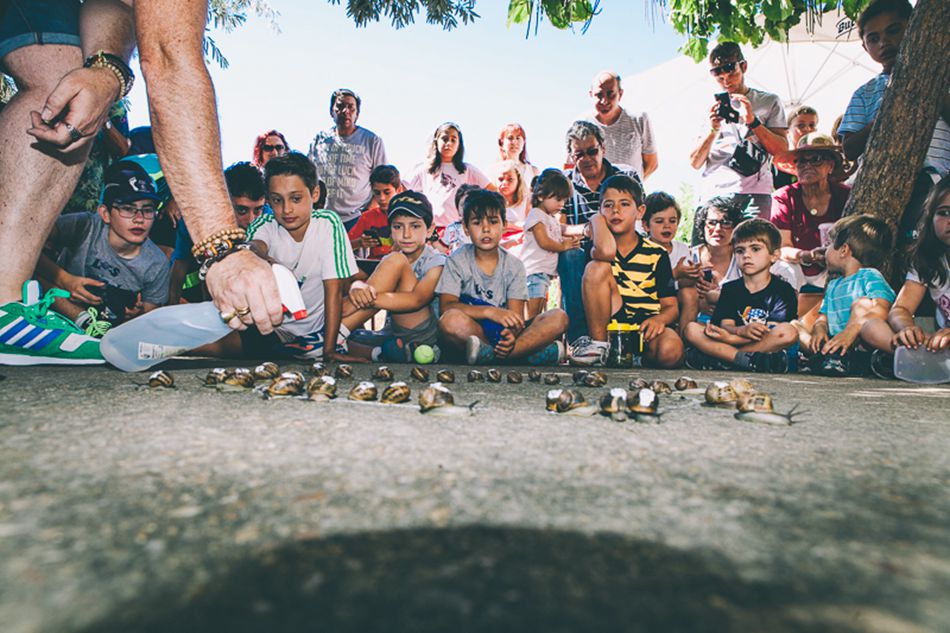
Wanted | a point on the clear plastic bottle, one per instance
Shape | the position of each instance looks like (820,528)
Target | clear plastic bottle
(922,366)
(165,332)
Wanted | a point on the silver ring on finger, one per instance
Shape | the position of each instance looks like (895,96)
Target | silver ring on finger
(74,134)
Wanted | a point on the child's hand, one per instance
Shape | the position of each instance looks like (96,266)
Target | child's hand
(334,356)
(78,291)
(135,310)
(753,331)
(818,340)
(369,241)
(704,287)
(714,331)
(687,271)
(939,341)
(570,242)
(507,318)
(840,343)
(362,295)
(912,337)
(505,344)
(651,328)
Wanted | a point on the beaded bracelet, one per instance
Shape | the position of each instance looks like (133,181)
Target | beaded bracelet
(206,264)
(117,66)
(217,242)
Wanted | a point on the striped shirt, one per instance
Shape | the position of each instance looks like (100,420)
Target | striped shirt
(842,292)
(323,253)
(863,108)
(643,276)
(585,202)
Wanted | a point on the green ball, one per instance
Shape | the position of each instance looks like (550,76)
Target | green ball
(424,354)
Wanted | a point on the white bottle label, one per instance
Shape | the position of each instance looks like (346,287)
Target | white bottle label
(153,351)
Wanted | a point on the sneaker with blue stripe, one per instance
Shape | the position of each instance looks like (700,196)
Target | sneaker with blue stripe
(32,334)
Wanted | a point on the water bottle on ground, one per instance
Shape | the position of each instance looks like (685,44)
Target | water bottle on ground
(922,366)
(170,331)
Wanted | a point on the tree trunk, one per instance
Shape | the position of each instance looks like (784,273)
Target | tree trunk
(905,123)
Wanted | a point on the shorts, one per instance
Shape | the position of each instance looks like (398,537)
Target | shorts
(30,22)
(426,333)
(258,346)
(491,329)
(538,284)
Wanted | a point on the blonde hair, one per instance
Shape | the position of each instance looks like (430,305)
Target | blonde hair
(521,190)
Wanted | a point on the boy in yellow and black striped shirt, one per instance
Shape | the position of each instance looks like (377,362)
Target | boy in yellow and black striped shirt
(629,280)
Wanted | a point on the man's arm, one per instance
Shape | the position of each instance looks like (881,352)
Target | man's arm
(650,163)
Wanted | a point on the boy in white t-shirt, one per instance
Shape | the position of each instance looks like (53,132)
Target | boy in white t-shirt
(543,237)
(314,246)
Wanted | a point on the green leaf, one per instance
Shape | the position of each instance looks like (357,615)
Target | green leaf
(519,11)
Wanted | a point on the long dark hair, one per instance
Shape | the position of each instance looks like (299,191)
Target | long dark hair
(435,160)
(927,254)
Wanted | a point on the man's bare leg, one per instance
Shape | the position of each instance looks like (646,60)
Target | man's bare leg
(34,185)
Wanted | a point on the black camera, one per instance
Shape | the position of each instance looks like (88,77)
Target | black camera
(726,112)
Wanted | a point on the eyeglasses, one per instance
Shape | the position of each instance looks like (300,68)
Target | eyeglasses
(273,148)
(589,152)
(725,224)
(811,159)
(608,94)
(724,69)
(129,211)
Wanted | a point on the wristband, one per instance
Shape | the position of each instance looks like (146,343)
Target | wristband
(117,66)
(209,262)
(217,243)
(754,123)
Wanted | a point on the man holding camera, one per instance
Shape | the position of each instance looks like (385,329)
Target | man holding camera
(746,128)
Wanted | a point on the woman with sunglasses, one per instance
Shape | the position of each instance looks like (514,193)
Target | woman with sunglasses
(806,210)
(268,145)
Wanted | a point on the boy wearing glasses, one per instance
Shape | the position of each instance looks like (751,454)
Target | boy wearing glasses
(106,261)
(746,128)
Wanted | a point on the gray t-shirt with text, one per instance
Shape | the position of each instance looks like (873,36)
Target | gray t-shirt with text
(345,164)
(463,277)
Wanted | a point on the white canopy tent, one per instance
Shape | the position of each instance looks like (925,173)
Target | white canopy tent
(821,69)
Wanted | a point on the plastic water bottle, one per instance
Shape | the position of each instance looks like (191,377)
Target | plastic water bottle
(165,332)
(922,366)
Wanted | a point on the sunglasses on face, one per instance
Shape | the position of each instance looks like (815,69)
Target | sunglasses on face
(812,159)
(273,148)
(589,152)
(723,69)
(725,224)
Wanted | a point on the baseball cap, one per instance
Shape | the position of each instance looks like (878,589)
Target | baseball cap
(411,203)
(125,182)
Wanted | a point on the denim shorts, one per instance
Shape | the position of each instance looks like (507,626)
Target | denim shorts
(538,285)
(29,22)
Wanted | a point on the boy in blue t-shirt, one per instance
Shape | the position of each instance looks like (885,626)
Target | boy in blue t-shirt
(750,328)
(859,292)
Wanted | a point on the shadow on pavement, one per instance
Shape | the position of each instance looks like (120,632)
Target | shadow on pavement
(468,579)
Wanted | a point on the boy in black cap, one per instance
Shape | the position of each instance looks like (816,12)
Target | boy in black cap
(403,284)
(105,260)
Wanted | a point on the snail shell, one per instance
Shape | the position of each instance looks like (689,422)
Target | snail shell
(614,404)
(344,371)
(445,376)
(161,379)
(644,405)
(493,375)
(660,387)
(595,379)
(319,369)
(396,393)
(266,371)
(216,376)
(741,386)
(552,379)
(579,376)
(383,373)
(570,402)
(515,377)
(283,387)
(534,376)
(436,399)
(420,373)
(476,376)
(321,388)
(363,392)
(240,378)
(758,407)
(720,393)
(293,375)
(636,384)
(684,382)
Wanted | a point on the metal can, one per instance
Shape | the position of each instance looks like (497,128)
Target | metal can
(626,345)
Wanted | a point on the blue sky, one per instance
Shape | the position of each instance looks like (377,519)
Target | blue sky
(481,76)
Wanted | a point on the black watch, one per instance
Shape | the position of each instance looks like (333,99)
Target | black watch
(754,123)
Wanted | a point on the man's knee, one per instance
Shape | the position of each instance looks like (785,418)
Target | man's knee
(41,67)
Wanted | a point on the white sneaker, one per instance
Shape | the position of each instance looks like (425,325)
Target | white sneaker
(586,351)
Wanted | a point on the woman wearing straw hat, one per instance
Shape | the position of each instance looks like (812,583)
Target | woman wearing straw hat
(805,210)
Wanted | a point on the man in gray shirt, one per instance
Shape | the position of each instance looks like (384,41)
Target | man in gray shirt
(345,156)
(628,137)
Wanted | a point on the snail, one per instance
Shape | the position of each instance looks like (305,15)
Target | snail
(266,371)
(614,404)
(319,369)
(476,376)
(493,375)
(395,393)
(363,392)
(240,379)
(757,407)
(161,379)
(383,373)
(636,384)
(216,376)
(552,379)
(658,386)
(515,377)
(569,402)
(283,387)
(343,371)
(741,386)
(436,399)
(684,383)
(420,373)
(644,405)
(534,376)
(579,376)
(595,379)
(321,388)
(293,375)
(445,376)
(720,394)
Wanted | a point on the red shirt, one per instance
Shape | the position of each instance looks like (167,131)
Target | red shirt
(790,214)
(373,218)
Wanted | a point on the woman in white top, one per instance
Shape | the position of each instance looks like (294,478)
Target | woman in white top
(513,145)
(512,188)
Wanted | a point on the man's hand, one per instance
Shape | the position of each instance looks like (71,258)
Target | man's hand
(840,343)
(745,107)
(243,281)
(912,337)
(362,295)
(651,328)
(715,121)
(507,318)
(753,331)
(78,288)
(76,109)
(506,343)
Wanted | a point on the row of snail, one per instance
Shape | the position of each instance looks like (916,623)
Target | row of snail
(640,402)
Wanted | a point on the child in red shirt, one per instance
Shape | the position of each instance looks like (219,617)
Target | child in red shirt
(371,231)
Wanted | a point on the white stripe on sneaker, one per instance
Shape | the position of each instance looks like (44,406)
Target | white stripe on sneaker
(10,324)
(21,334)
